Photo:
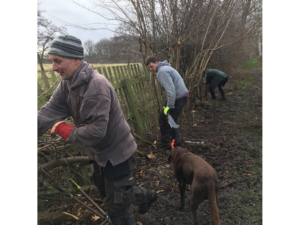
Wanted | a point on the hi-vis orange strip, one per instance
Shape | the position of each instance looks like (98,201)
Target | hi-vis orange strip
(172,144)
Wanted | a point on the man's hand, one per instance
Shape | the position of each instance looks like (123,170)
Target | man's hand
(166,109)
(63,129)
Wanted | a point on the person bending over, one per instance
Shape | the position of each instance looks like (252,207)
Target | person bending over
(215,78)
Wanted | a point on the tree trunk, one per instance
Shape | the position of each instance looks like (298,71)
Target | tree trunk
(155,92)
(43,73)
(153,27)
(178,55)
(40,60)
(259,46)
(45,80)
(246,12)
(141,50)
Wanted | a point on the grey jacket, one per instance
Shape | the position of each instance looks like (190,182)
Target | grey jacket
(171,81)
(100,124)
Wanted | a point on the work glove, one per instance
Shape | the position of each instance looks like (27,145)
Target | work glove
(166,109)
(62,129)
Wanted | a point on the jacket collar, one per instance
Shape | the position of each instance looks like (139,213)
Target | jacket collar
(81,76)
(164,63)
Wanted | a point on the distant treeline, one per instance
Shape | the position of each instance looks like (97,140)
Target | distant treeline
(118,49)
(121,49)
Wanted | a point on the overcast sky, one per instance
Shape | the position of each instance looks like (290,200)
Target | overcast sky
(58,11)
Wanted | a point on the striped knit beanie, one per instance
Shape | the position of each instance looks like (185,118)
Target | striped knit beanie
(67,46)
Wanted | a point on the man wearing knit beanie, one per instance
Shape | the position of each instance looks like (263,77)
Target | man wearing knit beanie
(100,127)
(66,53)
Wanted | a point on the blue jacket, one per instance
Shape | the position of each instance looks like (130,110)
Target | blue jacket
(171,81)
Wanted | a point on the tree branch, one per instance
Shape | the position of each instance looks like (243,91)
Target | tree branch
(63,162)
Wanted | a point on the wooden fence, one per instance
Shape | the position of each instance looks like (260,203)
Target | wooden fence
(136,89)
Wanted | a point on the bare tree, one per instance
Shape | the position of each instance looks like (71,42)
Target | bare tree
(124,46)
(102,49)
(45,34)
(187,32)
(89,48)
(169,29)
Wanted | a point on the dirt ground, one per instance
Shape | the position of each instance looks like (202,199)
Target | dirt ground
(230,136)
(232,145)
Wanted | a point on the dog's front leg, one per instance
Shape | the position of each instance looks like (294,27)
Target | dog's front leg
(182,194)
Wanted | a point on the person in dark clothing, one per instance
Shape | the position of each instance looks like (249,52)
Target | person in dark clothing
(216,78)
(177,95)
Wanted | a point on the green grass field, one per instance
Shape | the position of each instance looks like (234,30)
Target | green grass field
(48,67)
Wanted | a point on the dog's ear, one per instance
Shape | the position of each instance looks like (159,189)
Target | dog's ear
(170,158)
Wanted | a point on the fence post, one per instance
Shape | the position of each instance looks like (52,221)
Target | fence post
(137,121)
(155,92)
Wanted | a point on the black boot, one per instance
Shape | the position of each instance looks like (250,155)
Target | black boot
(165,142)
(119,220)
(122,218)
(144,207)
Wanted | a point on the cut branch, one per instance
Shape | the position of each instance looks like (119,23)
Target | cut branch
(63,162)
(70,190)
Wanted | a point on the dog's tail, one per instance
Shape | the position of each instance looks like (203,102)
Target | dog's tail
(212,198)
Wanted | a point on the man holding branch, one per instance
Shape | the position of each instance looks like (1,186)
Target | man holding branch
(100,127)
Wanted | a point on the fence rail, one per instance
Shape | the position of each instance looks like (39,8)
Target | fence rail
(136,90)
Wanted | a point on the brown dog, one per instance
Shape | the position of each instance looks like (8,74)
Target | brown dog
(192,169)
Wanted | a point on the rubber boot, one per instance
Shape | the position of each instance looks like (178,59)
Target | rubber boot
(144,207)
(119,221)
(165,142)
(121,218)
(167,146)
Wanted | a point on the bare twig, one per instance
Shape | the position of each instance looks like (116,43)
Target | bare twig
(41,148)
(139,137)
(63,161)
(49,88)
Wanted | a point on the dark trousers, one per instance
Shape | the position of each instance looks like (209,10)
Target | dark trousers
(165,129)
(120,192)
(212,92)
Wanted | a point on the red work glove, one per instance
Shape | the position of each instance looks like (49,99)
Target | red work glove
(62,129)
